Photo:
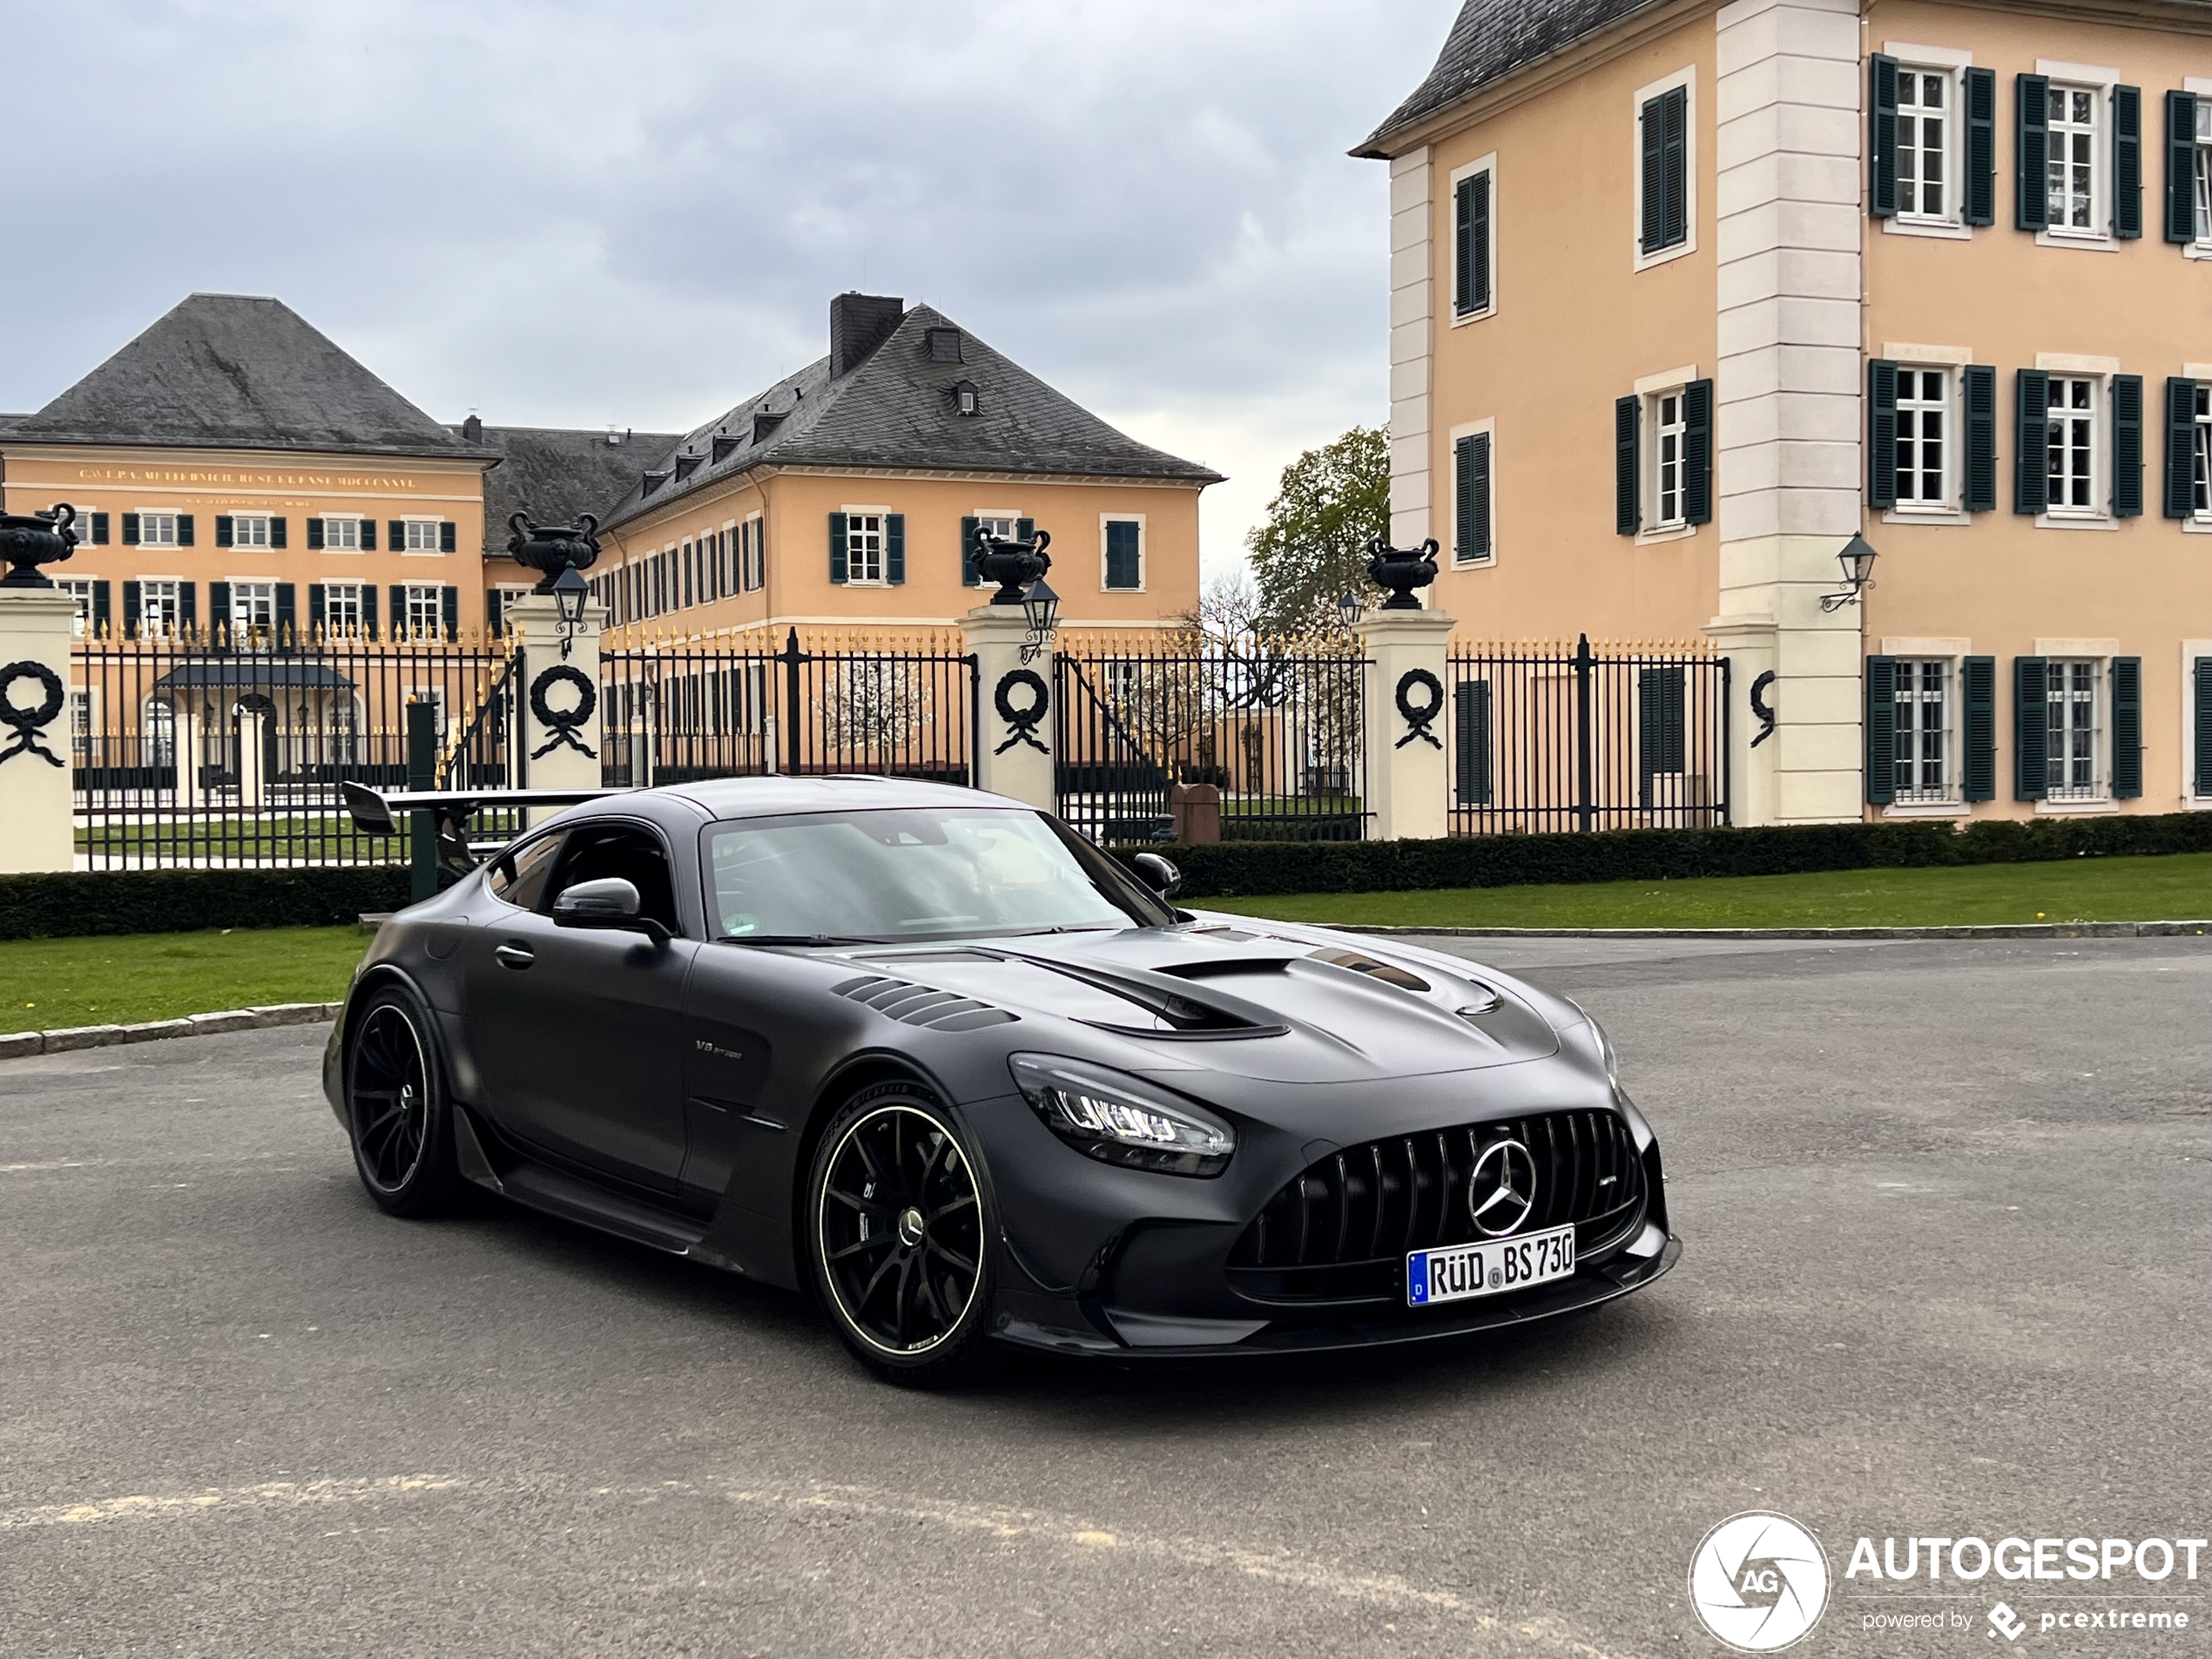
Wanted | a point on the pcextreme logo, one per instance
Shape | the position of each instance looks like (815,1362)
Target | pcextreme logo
(1759,1581)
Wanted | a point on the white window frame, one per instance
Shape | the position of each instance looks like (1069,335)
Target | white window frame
(432,526)
(1949,406)
(2099,83)
(81,589)
(1488,427)
(165,593)
(260,520)
(353,590)
(1949,67)
(882,578)
(244,592)
(2099,788)
(168,515)
(753,557)
(2099,507)
(1686,79)
(1488,163)
(2200,87)
(353,524)
(1946,790)
(411,594)
(1143,550)
(1655,458)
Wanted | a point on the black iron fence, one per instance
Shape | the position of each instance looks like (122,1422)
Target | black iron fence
(1628,738)
(215,750)
(676,712)
(1274,724)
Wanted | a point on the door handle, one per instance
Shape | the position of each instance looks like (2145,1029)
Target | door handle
(513,956)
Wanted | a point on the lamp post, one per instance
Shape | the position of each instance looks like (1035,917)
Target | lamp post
(1042,605)
(1857,561)
(569,591)
(1350,609)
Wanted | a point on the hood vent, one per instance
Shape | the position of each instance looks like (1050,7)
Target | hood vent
(1373,969)
(912,1004)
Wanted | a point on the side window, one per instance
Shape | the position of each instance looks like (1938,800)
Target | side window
(519,877)
(594,852)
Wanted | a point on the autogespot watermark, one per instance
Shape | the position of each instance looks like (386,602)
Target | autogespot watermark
(1759,1583)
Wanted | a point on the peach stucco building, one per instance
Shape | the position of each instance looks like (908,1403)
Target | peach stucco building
(1686,295)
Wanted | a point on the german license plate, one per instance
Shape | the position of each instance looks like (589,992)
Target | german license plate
(1492,1268)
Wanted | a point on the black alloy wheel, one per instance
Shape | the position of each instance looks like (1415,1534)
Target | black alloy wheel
(395,1099)
(899,1238)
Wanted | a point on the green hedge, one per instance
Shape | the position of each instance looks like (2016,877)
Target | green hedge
(1249,869)
(168,901)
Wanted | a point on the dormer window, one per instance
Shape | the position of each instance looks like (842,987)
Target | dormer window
(964,399)
(722,446)
(685,466)
(765,424)
(944,345)
(653,480)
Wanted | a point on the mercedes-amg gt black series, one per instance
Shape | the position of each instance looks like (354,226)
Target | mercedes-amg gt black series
(928,1054)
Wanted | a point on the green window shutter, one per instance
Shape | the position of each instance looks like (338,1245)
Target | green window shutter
(2032,201)
(101,591)
(1471,742)
(894,548)
(2181,447)
(396,539)
(99,530)
(1471,498)
(314,608)
(368,537)
(2201,705)
(1982,438)
(969,529)
(1025,530)
(132,610)
(2126,445)
(837,548)
(1881,433)
(1662,731)
(445,537)
(223,529)
(449,611)
(219,605)
(2127,728)
(368,609)
(1881,730)
(493,621)
(130,529)
(276,532)
(1697,452)
(288,614)
(314,533)
(398,608)
(1124,570)
(1881,107)
(1627,490)
(2128,162)
(2031,728)
(1980,193)
(1664,210)
(2030,468)
(1471,245)
(2180,166)
(1978,764)
(184,530)
(1652,208)
(188,604)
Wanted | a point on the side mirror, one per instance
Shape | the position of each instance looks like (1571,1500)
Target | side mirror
(611,904)
(1157,874)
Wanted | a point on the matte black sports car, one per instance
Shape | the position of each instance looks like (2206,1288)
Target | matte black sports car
(928,1054)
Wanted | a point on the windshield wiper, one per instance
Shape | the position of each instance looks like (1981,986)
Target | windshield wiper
(798,939)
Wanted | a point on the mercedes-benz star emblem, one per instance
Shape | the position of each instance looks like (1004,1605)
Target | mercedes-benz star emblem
(1502,1190)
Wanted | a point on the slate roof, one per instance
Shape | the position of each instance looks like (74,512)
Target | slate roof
(895,410)
(1489,40)
(231,371)
(556,473)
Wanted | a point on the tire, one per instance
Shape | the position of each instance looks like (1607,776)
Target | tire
(897,1230)
(398,1111)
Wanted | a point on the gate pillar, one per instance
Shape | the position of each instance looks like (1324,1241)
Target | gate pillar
(1014,712)
(1408,722)
(559,722)
(38,741)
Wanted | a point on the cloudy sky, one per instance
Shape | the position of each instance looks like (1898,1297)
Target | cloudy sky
(561,213)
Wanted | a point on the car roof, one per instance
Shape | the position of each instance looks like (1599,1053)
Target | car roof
(720,797)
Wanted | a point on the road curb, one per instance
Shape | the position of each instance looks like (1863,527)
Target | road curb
(1994,930)
(16,1044)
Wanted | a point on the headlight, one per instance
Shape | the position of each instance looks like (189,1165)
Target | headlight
(1118,1119)
(1604,1042)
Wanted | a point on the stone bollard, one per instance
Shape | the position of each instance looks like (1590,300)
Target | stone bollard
(1197,809)
(1409,722)
(1015,756)
(559,719)
(37,831)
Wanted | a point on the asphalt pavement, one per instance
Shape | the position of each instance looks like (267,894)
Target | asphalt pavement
(1947,1236)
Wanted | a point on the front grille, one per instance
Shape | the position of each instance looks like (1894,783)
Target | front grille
(1340,1231)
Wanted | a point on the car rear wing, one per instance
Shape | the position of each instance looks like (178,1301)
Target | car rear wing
(376,812)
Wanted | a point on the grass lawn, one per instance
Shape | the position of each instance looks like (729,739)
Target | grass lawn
(2177,887)
(119,979)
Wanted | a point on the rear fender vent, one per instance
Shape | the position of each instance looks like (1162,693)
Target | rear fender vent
(912,1004)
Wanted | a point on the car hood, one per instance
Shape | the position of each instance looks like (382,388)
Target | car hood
(1250,1000)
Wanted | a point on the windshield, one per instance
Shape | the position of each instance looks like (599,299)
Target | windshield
(925,873)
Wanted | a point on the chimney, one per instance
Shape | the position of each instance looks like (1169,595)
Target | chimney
(859,323)
(472,430)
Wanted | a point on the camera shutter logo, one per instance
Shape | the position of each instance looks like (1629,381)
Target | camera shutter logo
(1502,1189)
(1758,1581)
